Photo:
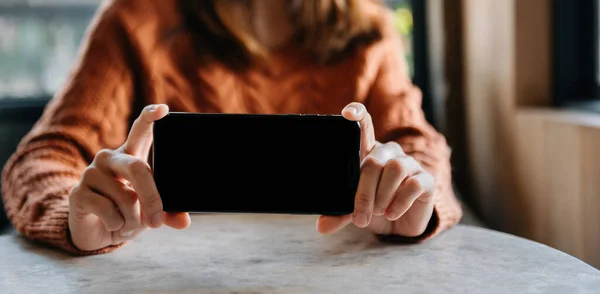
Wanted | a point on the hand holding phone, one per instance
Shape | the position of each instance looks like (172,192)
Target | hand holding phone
(116,198)
(395,193)
(346,177)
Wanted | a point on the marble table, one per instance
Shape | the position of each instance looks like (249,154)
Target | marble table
(285,254)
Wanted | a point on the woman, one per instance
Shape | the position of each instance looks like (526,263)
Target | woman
(80,181)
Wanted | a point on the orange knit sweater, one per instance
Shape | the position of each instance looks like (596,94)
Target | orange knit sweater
(123,67)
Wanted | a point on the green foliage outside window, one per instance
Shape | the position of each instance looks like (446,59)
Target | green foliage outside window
(404,23)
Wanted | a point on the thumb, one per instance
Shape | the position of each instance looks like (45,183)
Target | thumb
(330,224)
(358,112)
(140,136)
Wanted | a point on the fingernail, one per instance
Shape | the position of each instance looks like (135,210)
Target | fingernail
(157,220)
(126,234)
(378,211)
(391,214)
(152,108)
(353,110)
(361,219)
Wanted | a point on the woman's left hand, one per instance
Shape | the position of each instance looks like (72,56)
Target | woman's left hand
(394,195)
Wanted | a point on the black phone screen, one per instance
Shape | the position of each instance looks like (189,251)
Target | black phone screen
(296,164)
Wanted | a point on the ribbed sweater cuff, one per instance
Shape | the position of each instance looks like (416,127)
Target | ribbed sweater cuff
(53,230)
(45,220)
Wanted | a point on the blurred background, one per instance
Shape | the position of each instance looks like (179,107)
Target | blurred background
(514,86)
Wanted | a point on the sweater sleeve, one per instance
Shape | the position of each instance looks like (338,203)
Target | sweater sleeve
(90,113)
(395,106)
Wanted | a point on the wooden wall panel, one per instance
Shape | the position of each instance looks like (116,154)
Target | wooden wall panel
(488,100)
(590,193)
(532,177)
(562,166)
(533,63)
(535,171)
(559,177)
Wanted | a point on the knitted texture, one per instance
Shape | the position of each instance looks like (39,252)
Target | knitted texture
(126,63)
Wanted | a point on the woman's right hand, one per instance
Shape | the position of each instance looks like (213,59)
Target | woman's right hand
(116,198)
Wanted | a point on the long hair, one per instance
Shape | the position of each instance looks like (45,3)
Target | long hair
(327,29)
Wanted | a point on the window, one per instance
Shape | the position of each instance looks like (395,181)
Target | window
(411,23)
(403,14)
(38,43)
(576,53)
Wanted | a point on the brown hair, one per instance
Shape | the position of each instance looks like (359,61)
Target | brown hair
(327,29)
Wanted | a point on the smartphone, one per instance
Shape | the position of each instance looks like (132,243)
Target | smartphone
(256,163)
